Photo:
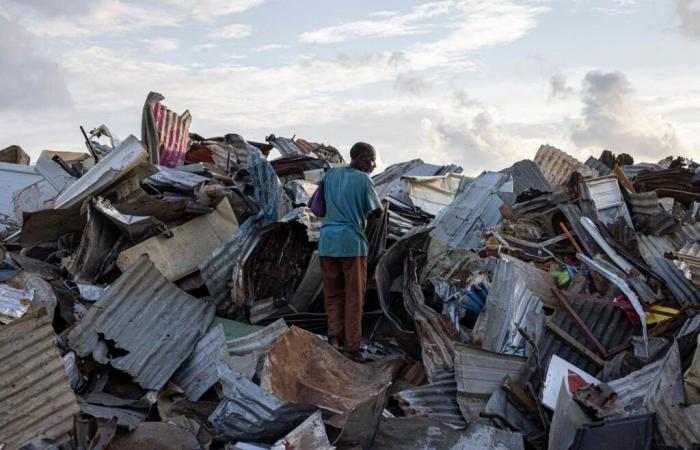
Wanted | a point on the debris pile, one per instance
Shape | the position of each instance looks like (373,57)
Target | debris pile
(165,292)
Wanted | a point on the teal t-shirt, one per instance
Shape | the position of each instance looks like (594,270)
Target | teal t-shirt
(350,198)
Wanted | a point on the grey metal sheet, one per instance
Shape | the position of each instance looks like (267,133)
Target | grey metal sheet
(437,400)
(509,305)
(474,209)
(175,179)
(245,352)
(644,203)
(652,249)
(608,324)
(425,433)
(36,400)
(198,373)
(149,319)
(248,412)
(689,262)
(481,373)
(528,178)
(126,417)
(14,303)
(573,216)
(310,434)
(632,171)
(595,164)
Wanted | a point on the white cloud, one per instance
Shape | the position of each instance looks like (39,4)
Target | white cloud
(558,87)
(264,48)
(612,118)
(231,31)
(162,45)
(387,24)
(689,13)
(204,10)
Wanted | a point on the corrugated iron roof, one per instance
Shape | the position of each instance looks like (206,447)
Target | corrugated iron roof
(245,352)
(595,164)
(474,209)
(36,400)
(528,179)
(608,323)
(437,400)
(644,202)
(146,317)
(573,216)
(198,373)
(632,171)
(652,249)
(557,166)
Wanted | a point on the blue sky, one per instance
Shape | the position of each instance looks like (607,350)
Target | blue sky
(472,82)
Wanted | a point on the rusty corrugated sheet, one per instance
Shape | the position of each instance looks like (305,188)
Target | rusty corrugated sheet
(145,316)
(36,400)
(323,377)
(652,249)
(557,166)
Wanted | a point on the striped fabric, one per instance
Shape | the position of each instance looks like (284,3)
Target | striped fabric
(173,134)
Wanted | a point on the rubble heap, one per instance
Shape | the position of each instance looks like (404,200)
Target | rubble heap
(164,292)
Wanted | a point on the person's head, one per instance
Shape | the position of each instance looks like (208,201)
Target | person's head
(363,157)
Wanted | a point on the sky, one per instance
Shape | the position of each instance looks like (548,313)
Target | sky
(479,83)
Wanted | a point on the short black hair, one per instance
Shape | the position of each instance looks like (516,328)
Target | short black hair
(362,149)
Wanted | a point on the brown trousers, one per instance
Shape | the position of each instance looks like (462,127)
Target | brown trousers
(344,286)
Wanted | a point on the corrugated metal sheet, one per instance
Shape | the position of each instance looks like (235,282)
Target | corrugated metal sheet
(198,373)
(286,146)
(433,194)
(573,216)
(36,400)
(217,268)
(245,352)
(474,209)
(595,164)
(149,319)
(108,170)
(424,433)
(251,413)
(644,203)
(481,373)
(528,180)
(173,134)
(633,170)
(689,262)
(558,166)
(608,323)
(310,434)
(652,249)
(510,305)
(437,400)
(537,280)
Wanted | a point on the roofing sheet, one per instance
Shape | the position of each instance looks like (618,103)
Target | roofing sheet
(557,166)
(573,216)
(437,400)
(652,249)
(632,170)
(198,373)
(474,209)
(595,164)
(152,324)
(217,268)
(172,130)
(608,323)
(109,169)
(528,178)
(14,303)
(13,177)
(644,203)
(245,352)
(36,400)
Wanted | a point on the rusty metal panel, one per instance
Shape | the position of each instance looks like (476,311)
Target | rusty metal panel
(557,166)
(437,400)
(323,377)
(151,323)
(36,400)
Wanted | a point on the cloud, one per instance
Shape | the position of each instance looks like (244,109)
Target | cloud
(162,45)
(31,79)
(558,87)
(462,100)
(480,144)
(264,48)
(612,118)
(689,13)
(410,82)
(232,31)
(385,24)
(204,10)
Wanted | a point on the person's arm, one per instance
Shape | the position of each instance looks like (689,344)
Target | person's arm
(373,206)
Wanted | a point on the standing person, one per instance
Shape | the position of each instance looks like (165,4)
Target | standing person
(350,199)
